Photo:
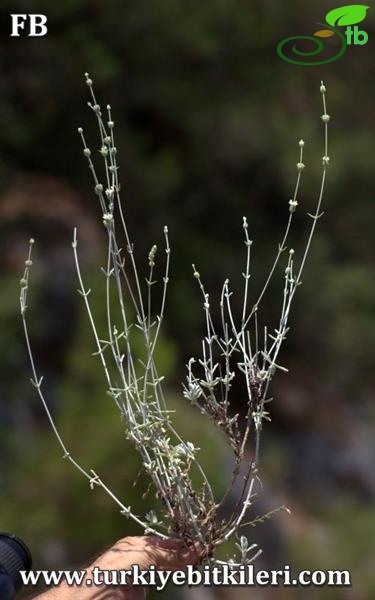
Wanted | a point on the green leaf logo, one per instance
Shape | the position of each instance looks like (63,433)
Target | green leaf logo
(347,15)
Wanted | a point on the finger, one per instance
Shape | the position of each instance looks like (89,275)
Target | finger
(171,554)
(145,551)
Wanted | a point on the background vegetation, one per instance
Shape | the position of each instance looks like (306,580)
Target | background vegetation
(208,118)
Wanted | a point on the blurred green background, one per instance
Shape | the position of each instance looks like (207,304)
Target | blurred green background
(207,122)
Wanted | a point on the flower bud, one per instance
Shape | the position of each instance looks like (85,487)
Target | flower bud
(107,218)
(151,256)
(195,272)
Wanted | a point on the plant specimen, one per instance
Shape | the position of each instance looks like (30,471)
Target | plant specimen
(235,347)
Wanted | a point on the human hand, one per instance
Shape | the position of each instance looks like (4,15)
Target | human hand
(144,551)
